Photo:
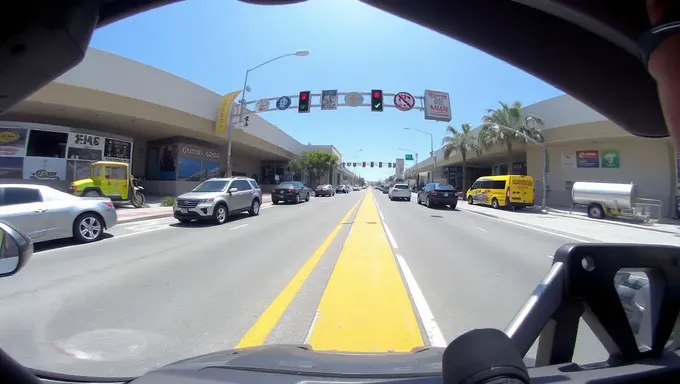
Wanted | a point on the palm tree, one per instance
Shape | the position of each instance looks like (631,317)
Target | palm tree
(506,125)
(462,142)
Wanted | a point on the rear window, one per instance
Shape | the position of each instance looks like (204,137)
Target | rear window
(444,187)
(288,185)
(401,186)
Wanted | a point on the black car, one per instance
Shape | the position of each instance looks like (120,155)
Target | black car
(291,192)
(324,190)
(437,194)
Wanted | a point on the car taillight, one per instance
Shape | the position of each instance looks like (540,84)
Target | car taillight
(291,190)
(109,204)
(507,195)
(72,187)
(259,191)
(434,193)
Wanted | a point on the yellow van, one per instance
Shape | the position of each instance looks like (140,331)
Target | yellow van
(501,191)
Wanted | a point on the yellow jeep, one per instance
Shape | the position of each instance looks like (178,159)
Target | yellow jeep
(110,179)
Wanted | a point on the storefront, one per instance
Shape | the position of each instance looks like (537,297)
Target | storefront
(55,155)
(177,165)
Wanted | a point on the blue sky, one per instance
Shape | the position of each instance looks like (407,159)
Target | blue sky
(353,48)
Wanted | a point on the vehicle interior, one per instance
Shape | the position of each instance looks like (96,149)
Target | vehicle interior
(588,49)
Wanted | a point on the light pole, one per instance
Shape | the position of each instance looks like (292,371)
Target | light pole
(434,156)
(544,149)
(356,172)
(243,102)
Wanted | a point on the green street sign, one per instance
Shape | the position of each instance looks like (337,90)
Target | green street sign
(408,156)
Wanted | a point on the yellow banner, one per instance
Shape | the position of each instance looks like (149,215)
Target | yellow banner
(224,115)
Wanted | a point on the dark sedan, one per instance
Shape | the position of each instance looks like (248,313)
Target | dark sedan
(436,194)
(290,192)
(324,190)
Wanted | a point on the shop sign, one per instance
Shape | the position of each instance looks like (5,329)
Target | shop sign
(198,152)
(85,141)
(588,159)
(13,142)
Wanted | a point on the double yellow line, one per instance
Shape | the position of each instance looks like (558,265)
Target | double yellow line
(365,306)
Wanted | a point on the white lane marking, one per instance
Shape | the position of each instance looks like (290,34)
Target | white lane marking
(311,328)
(389,236)
(535,228)
(482,229)
(434,334)
(238,226)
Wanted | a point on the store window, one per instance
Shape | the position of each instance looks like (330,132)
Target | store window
(46,144)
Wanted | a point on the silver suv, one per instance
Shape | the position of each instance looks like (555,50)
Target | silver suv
(217,199)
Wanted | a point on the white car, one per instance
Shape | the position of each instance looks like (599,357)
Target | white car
(399,192)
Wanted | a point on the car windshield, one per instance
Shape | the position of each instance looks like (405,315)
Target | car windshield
(274,103)
(211,186)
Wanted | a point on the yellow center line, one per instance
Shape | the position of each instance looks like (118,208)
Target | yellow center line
(366,307)
(259,332)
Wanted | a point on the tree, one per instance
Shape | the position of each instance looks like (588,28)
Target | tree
(297,164)
(462,142)
(506,125)
(316,163)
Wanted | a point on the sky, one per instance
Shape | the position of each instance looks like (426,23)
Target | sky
(353,48)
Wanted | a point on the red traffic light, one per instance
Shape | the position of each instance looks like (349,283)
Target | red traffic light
(303,96)
(376,94)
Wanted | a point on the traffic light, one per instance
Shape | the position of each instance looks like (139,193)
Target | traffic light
(303,101)
(379,164)
(376,100)
(363,164)
(372,163)
(354,164)
(389,165)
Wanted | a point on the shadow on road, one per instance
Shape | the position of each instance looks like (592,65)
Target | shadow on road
(62,243)
(209,223)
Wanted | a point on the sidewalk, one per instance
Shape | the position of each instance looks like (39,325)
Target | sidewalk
(129,214)
(579,227)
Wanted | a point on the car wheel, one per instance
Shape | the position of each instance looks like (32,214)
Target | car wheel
(494,203)
(220,214)
(453,206)
(275,202)
(428,202)
(88,227)
(254,208)
(307,197)
(408,199)
(92,193)
(184,221)
(297,199)
(470,201)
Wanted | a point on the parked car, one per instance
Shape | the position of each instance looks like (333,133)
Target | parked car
(356,188)
(399,192)
(437,194)
(342,189)
(44,213)
(217,199)
(324,190)
(291,191)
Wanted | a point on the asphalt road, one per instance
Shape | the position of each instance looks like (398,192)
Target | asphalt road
(322,273)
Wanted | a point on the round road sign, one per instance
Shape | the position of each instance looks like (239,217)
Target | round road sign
(354,99)
(404,101)
(262,105)
(283,103)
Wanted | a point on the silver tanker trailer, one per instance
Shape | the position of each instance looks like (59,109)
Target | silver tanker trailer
(616,200)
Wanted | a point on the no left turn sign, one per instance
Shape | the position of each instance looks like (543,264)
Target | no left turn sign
(404,101)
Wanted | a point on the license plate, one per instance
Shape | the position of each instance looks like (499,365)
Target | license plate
(184,210)
(446,195)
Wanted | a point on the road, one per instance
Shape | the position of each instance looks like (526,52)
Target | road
(327,273)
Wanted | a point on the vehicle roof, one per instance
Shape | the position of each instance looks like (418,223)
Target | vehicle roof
(503,177)
(230,178)
(113,163)
(32,186)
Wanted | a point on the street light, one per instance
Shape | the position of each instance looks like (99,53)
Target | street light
(243,101)
(434,156)
(544,190)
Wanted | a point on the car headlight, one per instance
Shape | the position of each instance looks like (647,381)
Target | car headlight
(205,201)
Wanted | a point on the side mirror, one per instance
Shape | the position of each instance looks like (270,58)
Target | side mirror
(15,250)
(232,190)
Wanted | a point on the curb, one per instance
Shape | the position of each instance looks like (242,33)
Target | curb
(613,223)
(144,218)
